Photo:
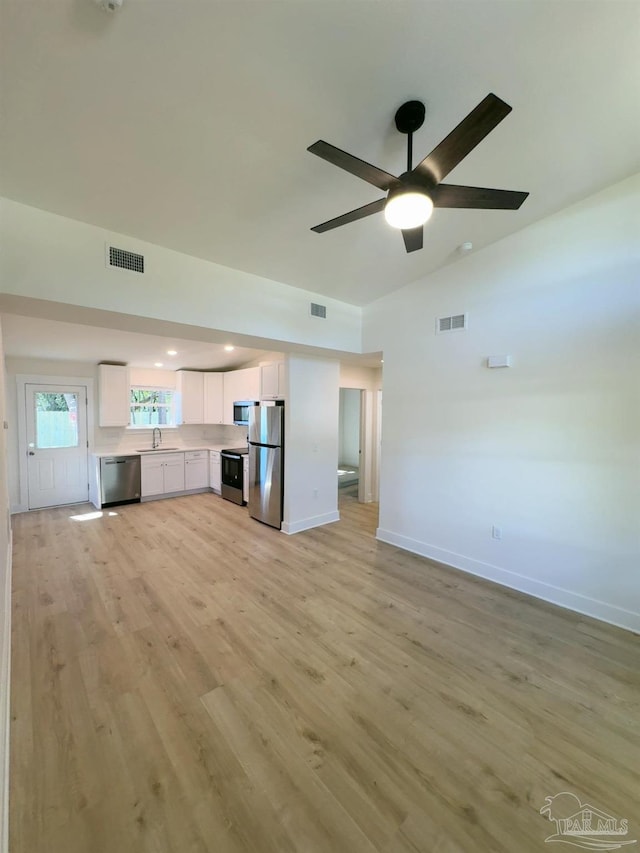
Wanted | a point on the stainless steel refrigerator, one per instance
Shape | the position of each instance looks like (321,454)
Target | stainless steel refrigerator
(266,463)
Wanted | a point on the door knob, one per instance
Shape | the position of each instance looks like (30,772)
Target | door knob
(31,453)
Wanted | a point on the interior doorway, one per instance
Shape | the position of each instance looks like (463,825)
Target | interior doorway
(350,442)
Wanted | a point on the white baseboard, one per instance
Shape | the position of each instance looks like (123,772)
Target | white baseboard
(5,711)
(601,610)
(165,495)
(308,523)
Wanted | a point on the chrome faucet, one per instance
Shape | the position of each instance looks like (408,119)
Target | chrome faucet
(156,441)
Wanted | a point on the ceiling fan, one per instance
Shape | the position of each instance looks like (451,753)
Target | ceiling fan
(412,196)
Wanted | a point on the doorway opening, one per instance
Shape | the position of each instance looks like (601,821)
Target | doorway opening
(350,449)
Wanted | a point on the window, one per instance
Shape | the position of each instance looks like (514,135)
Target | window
(151,407)
(56,420)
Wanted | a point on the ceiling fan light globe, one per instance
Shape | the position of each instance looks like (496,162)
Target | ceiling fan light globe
(408,210)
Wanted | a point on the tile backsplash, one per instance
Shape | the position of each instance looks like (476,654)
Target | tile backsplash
(120,440)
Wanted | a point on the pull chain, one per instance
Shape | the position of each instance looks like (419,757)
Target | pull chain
(409,151)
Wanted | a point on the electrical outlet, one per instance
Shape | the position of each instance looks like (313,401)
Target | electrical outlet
(496,532)
(315,493)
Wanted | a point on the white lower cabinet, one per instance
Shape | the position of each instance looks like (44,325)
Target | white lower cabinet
(191,470)
(151,476)
(215,471)
(162,474)
(174,474)
(196,475)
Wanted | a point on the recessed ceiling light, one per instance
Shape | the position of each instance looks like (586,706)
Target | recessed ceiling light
(229,348)
(158,364)
(172,352)
(463,248)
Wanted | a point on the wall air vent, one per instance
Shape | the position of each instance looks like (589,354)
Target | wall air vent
(455,323)
(124,259)
(318,310)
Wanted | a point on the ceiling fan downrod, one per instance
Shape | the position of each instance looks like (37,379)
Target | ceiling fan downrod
(409,118)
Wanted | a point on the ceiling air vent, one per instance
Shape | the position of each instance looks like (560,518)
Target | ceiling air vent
(455,323)
(318,310)
(124,259)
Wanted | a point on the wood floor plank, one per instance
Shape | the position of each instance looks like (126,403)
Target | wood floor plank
(186,680)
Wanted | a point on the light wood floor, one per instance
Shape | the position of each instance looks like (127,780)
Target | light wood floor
(188,680)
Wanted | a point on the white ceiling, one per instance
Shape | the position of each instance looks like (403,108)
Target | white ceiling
(104,336)
(34,337)
(185,122)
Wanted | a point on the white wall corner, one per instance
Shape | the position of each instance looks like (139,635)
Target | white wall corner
(308,523)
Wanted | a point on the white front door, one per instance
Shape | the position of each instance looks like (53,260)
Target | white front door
(56,418)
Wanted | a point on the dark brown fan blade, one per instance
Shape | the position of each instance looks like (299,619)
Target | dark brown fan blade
(464,138)
(352,216)
(450,195)
(371,174)
(412,238)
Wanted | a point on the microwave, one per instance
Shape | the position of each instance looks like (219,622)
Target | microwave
(241,411)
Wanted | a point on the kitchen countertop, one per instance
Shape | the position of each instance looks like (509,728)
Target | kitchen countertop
(229,444)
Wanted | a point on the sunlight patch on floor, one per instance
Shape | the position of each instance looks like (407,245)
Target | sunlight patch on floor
(91,516)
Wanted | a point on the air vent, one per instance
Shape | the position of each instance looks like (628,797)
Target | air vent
(455,323)
(318,310)
(124,260)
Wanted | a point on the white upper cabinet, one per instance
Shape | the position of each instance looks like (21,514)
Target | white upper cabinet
(213,398)
(272,381)
(239,385)
(114,405)
(248,383)
(190,386)
(228,396)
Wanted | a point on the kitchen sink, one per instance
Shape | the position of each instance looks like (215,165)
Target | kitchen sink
(155,449)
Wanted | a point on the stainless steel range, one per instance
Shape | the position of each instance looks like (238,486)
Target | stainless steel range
(232,474)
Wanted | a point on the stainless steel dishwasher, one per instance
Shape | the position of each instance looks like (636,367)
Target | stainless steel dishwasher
(119,480)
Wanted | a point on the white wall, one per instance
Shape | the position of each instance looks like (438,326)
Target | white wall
(349,427)
(353,376)
(548,449)
(311,448)
(5,614)
(50,257)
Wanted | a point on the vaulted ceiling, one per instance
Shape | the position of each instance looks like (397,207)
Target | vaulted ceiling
(185,123)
